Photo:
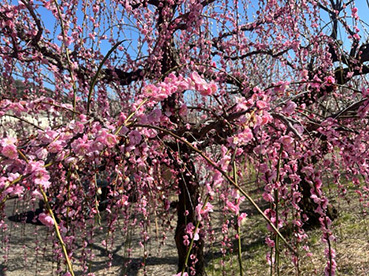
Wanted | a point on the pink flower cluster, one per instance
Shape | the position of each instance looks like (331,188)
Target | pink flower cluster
(38,173)
(190,228)
(100,139)
(8,147)
(172,83)
(46,219)
(203,210)
(8,188)
(196,82)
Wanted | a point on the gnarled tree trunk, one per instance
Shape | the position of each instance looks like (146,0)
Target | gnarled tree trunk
(187,201)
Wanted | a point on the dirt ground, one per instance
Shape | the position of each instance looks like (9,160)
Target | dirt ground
(28,251)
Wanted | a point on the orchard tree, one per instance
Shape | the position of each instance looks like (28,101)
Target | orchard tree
(150,100)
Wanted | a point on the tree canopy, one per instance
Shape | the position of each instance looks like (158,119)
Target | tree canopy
(180,103)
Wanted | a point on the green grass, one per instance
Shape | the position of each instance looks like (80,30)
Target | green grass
(351,230)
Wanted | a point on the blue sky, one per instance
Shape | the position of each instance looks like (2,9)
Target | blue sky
(49,20)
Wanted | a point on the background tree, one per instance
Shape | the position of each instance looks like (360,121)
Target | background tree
(165,98)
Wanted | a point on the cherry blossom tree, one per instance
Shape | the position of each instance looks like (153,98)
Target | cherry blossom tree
(161,103)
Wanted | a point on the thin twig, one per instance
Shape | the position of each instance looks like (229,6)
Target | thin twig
(56,227)
(68,58)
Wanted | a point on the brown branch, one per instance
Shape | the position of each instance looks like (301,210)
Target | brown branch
(37,38)
(262,52)
(341,73)
(353,107)
(184,25)
(125,78)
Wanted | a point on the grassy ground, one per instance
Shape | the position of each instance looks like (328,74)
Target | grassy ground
(351,231)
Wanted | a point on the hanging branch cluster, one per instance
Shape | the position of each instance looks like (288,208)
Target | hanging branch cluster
(124,105)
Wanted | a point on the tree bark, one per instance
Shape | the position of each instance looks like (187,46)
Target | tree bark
(308,206)
(187,201)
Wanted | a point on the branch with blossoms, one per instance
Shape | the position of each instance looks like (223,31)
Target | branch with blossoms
(40,176)
(225,175)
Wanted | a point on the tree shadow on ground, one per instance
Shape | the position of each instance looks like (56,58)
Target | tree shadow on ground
(27,217)
(128,266)
(2,270)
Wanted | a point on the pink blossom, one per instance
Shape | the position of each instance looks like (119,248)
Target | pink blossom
(55,147)
(330,80)
(95,8)
(202,210)
(183,111)
(6,181)
(42,153)
(123,201)
(150,133)
(242,138)
(289,108)
(41,177)
(82,149)
(46,219)
(76,127)
(210,89)
(269,242)
(8,141)
(48,136)
(349,74)
(241,218)
(186,241)
(235,208)
(134,138)
(241,104)
(171,78)
(81,146)
(184,85)
(10,151)
(154,116)
(286,141)
(331,266)
(39,174)
(196,82)
(160,91)
(281,86)
(189,230)
(107,138)
(217,179)
(36,194)
(151,90)
(356,36)
(365,92)
(262,105)
(96,146)
(268,197)
(270,259)
(166,89)
(265,118)
(17,190)
(354,13)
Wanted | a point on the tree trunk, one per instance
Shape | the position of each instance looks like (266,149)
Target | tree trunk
(187,201)
(308,206)
(187,184)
